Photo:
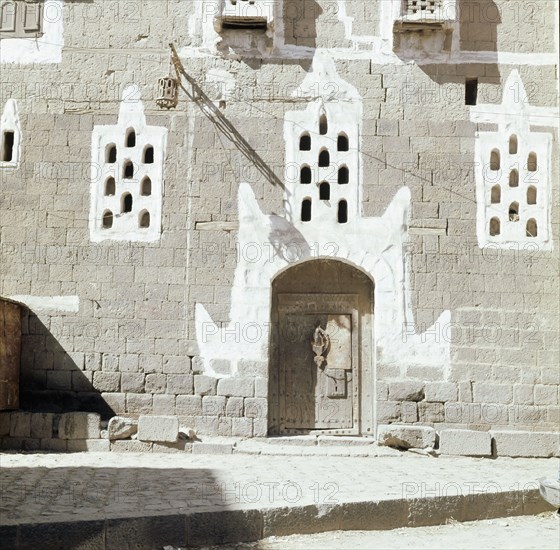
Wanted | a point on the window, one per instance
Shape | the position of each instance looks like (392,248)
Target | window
(343,175)
(531,228)
(471,91)
(532,162)
(253,15)
(325,191)
(305,175)
(323,125)
(514,178)
(342,143)
(111,153)
(8,146)
(324,159)
(126,203)
(513,145)
(21,19)
(146,187)
(342,211)
(128,170)
(306,210)
(107,220)
(305,142)
(496,194)
(144,219)
(514,212)
(148,155)
(110,187)
(494,227)
(532,195)
(130,138)
(495,159)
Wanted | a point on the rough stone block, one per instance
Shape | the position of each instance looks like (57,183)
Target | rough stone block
(90,445)
(484,392)
(188,405)
(236,387)
(256,408)
(156,383)
(431,412)
(121,427)
(261,387)
(526,444)
(132,382)
(388,411)
(242,427)
(158,428)
(54,445)
(440,391)
(106,381)
(42,425)
(406,391)
(180,384)
(205,385)
(465,442)
(221,366)
(79,425)
(20,424)
(213,405)
(546,395)
(406,437)
(164,404)
(138,403)
(131,446)
(260,427)
(116,401)
(200,448)
(252,369)
(234,406)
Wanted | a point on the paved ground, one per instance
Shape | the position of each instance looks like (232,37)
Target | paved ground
(526,532)
(39,488)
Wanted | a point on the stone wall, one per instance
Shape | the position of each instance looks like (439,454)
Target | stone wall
(112,323)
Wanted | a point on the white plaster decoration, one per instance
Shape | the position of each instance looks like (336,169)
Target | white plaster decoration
(44,49)
(10,136)
(127,175)
(269,244)
(49,304)
(512,171)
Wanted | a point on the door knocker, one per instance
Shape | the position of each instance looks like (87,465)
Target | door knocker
(320,345)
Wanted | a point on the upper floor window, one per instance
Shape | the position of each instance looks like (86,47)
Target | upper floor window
(21,18)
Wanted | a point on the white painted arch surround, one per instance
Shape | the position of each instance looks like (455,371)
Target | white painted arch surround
(373,245)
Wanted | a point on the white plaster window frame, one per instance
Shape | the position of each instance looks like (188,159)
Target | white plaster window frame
(44,49)
(10,123)
(240,10)
(126,226)
(445,12)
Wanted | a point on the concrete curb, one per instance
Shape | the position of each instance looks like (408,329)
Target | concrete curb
(232,526)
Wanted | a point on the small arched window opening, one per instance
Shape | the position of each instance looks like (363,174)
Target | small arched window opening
(305,142)
(494,227)
(343,175)
(323,125)
(514,178)
(111,153)
(126,203)
(496,194)
(531,228)
(495,159)
(144,219)
(532,162)
(148,155)
(110,186)
(130,137)
(8,138)
(513,145)
(514,212)
(532,195)
(342,212)
(146,187)
(325,191)
(107,221)
(306,210)
(128,170)
(342,143)
(324,159)
(305,175)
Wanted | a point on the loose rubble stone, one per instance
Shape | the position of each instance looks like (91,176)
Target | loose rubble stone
(121,427)
(406,437)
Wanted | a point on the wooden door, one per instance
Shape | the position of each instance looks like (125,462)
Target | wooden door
(318,363)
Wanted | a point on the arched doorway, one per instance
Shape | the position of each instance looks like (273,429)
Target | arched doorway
(321,374)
